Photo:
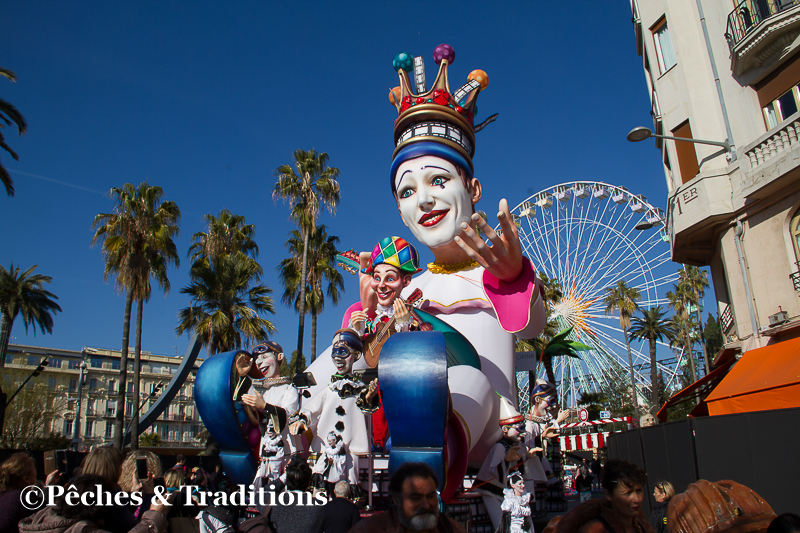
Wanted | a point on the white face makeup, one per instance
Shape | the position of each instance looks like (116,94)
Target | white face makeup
(269,364)
(432,200)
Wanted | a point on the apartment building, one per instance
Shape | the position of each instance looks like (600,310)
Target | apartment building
(59,381)
(725,70)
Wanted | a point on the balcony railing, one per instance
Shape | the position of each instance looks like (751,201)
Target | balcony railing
(749,14)
(726,319)
(795,277)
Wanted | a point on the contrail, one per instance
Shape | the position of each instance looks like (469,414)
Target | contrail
(64,183)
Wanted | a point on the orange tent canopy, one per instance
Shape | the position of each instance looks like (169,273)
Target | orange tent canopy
(763,379)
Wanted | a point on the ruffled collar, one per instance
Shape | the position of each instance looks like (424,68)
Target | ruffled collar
(384,311)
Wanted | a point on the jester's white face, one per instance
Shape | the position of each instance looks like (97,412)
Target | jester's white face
(433,199)
(268,362)
(344,356)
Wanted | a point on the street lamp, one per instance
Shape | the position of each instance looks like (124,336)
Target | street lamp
(76,440)
(642,133)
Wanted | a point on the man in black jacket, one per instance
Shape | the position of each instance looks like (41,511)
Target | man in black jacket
(340,514)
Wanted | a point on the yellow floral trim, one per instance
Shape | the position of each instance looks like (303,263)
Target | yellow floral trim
(436,268)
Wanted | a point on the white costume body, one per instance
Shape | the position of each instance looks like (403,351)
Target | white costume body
(272,455)
(495,460)
(459,300)
(539,466)
(286,396)
(323,410)
(336,457)
(519,508)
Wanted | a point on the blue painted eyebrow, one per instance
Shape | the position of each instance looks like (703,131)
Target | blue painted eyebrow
(409,170)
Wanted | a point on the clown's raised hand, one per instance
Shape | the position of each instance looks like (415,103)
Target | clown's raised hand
(503,257)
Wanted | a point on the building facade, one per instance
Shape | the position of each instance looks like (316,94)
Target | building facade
(725,70)
(53,395)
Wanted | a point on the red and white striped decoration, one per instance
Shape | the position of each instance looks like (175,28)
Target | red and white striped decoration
(599,422)
(583,442)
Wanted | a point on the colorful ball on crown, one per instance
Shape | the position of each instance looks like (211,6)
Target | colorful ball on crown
(403,61)
(444,51)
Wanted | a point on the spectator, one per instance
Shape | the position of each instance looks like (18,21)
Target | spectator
(301,515)
(785,523)
(181,464)
(415,504)
(106,462)
(622,484)
(16,473)
(340,514)
(129,469)
(198,479)
(583,484)
(78,517)
(663,493)
(596,470)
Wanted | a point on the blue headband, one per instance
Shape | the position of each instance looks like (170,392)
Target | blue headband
(419,149)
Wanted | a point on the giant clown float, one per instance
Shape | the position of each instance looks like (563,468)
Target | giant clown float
(440,385)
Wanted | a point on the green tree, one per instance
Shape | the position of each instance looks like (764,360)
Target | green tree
(713,335)
(552,295)
(297,364)
(323,277)
(653,326)
(226,234)
(696,281)
(23,293)
(310,189)
(137,245)
(594,403)
(680,300)
(227,304)
(150,440)
(10,115)
(623,299)
(30,416)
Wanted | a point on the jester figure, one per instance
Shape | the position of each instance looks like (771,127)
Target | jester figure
(543,424)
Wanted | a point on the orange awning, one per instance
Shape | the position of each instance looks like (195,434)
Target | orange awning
(697,389)
(764,379)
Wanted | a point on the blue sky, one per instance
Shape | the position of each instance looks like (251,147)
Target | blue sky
(206,99)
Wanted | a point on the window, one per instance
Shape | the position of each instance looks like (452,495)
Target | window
(687,157)
(73,365)
(51,383)
(9,359)
(164,432)
(68,428)
(663,45)
(55,363)
(96,362)
(33,360)
(89,432)
(115,364)
(109,430)
(112,386)
(73,385)
(128,409)
(111,408)
(89,407)
(129,388)
(93,384)
(781,108)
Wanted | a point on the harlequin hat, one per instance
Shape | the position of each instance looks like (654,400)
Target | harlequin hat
(397,252)
(436,116)
(349,337)
(508,414)
(543,388)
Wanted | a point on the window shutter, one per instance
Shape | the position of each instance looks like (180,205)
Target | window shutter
(779,81)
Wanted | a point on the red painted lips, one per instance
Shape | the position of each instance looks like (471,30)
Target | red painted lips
(432,218)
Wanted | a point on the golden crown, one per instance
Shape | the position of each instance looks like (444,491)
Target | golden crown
(436,114)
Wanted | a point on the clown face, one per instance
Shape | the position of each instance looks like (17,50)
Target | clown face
(387,282)
(268,361)
(514,432)
(433,200)
(344,356)
(544,404)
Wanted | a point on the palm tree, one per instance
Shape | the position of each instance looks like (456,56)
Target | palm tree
(313,187)
(680,302)
(321,269)
(226,307)
(10,115)
(696,281)
(653,326)
(623,299)
(137,244)
(227,234)
(23,293)
(552,295)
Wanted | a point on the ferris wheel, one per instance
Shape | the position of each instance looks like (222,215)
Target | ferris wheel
(588,236)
